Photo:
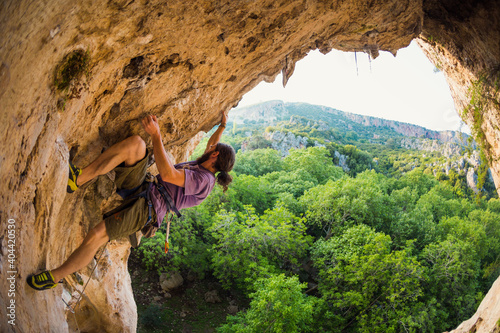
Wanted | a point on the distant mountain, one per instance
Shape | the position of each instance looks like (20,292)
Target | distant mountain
(367,127)
(394,147)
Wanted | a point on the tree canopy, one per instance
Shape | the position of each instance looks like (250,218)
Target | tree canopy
(391,243)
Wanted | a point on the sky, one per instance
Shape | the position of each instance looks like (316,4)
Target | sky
(405,88)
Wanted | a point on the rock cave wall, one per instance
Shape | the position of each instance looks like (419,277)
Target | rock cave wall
(184,61)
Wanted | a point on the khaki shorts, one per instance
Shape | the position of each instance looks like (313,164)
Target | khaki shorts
(131,219)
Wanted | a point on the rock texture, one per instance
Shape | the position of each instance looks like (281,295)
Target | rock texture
(169,281)
(406,129)
(212,296)
(284,141)
(184,61)
(459,38)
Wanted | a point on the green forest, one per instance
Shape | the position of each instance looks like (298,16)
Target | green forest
(391,245)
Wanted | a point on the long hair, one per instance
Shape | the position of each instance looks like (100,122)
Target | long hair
(224,164)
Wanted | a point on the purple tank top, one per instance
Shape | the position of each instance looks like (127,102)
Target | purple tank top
(198,184)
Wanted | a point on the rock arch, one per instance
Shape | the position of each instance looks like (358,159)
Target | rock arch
(185,61)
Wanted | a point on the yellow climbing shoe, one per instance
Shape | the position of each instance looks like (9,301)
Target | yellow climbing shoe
(41,281)
(74,172)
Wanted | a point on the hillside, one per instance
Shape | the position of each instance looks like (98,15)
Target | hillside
(373,128)
(393,147)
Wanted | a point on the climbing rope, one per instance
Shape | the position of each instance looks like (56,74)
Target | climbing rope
(73,309)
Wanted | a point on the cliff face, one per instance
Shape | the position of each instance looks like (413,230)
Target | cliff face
(458,37)
(184,62)
(406,129)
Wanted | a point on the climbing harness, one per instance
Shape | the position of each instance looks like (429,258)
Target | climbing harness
(130,198)
(150,227)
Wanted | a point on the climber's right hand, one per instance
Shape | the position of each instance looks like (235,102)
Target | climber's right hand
(150,124)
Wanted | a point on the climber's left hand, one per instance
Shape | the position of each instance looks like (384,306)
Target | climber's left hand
(224,118)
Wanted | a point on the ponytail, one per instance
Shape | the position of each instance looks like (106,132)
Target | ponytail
(224,179)
(224,164)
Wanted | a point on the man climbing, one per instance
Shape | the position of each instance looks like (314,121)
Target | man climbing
(187,184)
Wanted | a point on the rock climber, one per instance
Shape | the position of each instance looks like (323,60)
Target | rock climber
(187,184)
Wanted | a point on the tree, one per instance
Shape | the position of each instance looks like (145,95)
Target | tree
(248,247)
(410,222)
(189,248)
(392,144)
(453,269)
(258,162)
(365,286)
(250,190)
(490,247)
(349,201)
(294,182)
(316,161)
(464,228)
(278,305)
(357,160)
(289,201)
(417,180)
(417,225)
(441,201)
(494,205)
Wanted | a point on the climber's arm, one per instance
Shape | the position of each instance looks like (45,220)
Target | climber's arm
(165,167)
(215,138)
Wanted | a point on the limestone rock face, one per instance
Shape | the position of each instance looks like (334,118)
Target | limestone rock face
(284,141)
(460,38)
(342,161)
(184,61)
(472,180)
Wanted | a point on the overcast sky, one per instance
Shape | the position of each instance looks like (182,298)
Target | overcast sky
(403,88)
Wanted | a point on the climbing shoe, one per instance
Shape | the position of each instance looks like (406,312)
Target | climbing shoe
(41,281)
(74,172)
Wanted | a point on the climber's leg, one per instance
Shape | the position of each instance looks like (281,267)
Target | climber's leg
(82,256)
(129,151)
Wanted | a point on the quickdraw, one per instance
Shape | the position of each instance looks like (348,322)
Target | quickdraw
(167,245)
